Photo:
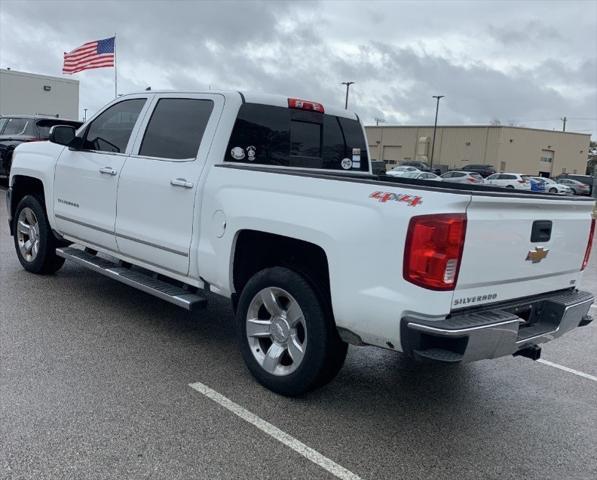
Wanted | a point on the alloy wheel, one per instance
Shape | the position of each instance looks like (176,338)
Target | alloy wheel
(28,234)
(276,331)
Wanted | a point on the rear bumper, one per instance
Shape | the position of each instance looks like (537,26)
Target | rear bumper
(477,334)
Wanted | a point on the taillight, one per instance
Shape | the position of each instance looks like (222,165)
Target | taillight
(585,261)
(305,105)
(433,250)
(522,181)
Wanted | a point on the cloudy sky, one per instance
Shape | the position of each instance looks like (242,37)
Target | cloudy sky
(526,63)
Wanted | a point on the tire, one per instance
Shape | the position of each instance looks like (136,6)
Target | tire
(573,191)
(553,190)
(33,239)
(510,186)
(296,348)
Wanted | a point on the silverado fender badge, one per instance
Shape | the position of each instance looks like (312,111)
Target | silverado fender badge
(410,200)
(538,254)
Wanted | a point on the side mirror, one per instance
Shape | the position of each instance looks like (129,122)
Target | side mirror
(62,134)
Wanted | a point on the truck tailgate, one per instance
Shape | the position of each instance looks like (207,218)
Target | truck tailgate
(501,261)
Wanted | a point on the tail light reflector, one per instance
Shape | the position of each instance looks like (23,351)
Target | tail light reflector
(433,250)
(305,105)
(585,261)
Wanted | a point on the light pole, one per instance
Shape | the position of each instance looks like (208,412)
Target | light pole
(348,84)
(438,97)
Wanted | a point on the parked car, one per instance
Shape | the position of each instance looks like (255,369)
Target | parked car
(269,201)
(418,164)
(509,180)
(577,187)
(457,176)
(400,169)
(18,129)
(419,175)
(483,170)
(549,185)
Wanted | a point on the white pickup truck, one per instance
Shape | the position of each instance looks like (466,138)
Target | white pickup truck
(270,201)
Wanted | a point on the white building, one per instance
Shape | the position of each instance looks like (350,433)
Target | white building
(31,94)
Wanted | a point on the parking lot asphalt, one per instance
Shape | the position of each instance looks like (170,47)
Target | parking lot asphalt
(94,384)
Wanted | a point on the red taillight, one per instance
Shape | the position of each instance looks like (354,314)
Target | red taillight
(305,105)
(433,250)
(522,181)
(585,261)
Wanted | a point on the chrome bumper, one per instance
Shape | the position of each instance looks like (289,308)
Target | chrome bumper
(497,331)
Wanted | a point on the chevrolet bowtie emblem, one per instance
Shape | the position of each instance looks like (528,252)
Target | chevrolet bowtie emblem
(538,254)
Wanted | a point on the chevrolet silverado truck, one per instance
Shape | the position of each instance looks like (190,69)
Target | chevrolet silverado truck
(270,201)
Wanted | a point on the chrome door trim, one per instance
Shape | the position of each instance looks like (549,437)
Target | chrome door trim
(170,250)
(83,224)
(125,237)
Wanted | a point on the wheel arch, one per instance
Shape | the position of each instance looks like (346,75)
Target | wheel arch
(254,250)
(21,186)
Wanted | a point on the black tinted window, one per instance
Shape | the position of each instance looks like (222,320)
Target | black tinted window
(176,128)
(305,139)
(334,146)
(269,135)
(111,130)
(508,177)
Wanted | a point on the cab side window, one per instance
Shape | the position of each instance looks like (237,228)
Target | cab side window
(111,130)
(176,128)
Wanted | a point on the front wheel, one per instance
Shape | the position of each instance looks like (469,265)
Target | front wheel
(553,190)
(34,242)
(287,337)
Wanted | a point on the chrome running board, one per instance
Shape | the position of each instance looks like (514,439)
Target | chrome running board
(134,278)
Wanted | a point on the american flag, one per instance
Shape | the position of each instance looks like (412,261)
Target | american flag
(97,54)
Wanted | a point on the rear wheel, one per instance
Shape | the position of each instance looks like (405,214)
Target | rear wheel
(288,341)
(553,190)
(34,242)
(510,186)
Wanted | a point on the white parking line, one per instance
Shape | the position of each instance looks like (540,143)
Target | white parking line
(567,369)
(274,432)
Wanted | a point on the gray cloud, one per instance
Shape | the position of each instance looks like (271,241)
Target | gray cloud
(529,62)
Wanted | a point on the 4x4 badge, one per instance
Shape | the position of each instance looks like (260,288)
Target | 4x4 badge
(538,254)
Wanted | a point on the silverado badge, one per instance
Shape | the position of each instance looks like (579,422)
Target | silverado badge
(538,254)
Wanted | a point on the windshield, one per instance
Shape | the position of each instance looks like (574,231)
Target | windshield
(15,126)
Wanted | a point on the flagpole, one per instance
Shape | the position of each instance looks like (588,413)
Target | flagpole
(115,71)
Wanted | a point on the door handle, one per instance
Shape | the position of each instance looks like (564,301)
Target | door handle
(181,182)
(107,171)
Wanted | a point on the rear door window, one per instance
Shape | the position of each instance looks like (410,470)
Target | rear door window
(269,135)
(176,128)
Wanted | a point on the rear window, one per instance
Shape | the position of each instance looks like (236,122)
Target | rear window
(269,135)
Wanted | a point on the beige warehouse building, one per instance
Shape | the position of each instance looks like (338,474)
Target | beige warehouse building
(512,149)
